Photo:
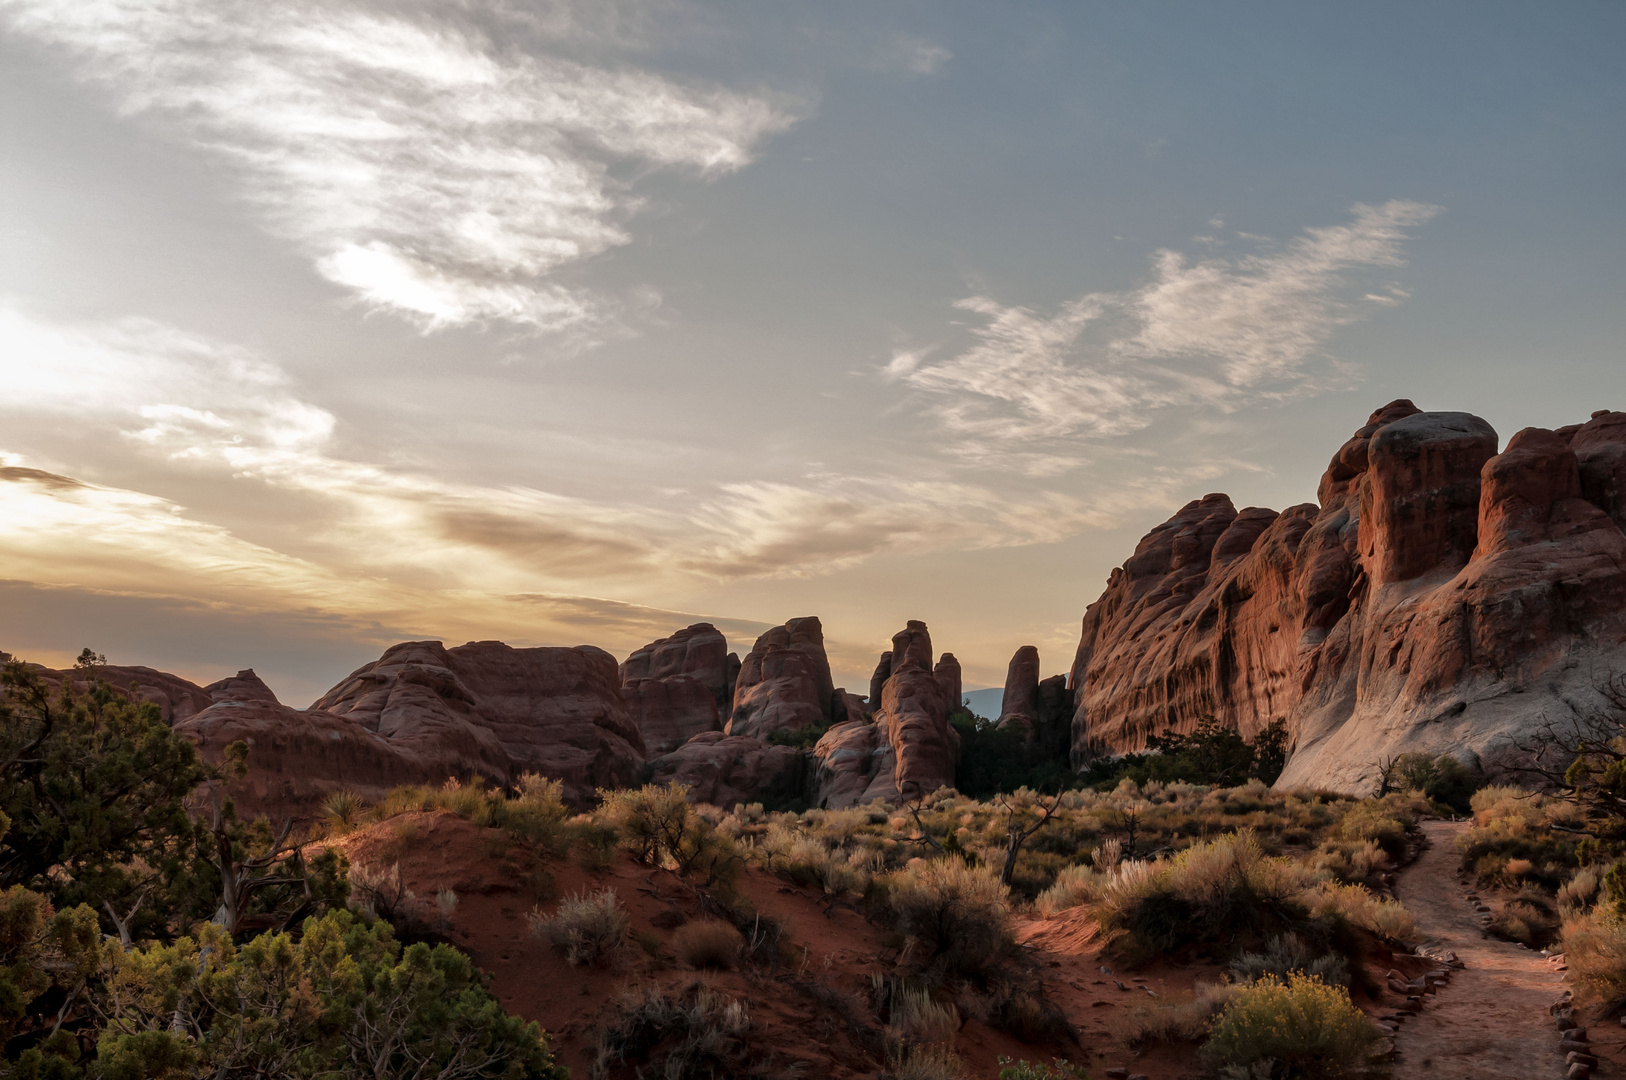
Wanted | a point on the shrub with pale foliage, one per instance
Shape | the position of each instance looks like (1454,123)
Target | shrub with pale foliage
(585,928)
(1302,1027)
(1595,949)
(958,915)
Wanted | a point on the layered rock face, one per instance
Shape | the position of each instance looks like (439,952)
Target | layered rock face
(680,686)
(295,757)
(501,711)
(784,682)
(1441,597)
(910,748)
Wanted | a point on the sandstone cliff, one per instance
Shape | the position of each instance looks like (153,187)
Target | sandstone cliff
(1440,597)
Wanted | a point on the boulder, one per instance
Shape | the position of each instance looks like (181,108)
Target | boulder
(725,770)
(1441,598)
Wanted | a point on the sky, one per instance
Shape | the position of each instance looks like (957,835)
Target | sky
(329,325)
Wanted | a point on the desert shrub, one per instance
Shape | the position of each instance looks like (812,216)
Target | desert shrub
(1285,955)
(1443,779)
(1578,893)
(343,1000)
(1530,916)
(586,928)
(957,914)
(1181,1018)
(1350,861)
(1357,906)
(1060,1069)
(657,825)
(1221,892)
(341,812)
(1381,821)
(380,893)
(1074,885)
(707,943)
(1595,949)
(1303,1026)
(805,860)
(803,738)
(698,1033)
(1026,1013)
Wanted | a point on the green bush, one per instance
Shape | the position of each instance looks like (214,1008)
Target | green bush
(342,1001)
(1300,1028)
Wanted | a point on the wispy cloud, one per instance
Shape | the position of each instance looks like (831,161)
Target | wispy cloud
(1216,331)
(203,405)
(422,165)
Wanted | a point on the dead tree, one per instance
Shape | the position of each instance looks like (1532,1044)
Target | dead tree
(1016,834)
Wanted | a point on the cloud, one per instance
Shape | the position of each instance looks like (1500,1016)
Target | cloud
(365,527)
(423,165)
(914,55)
(1214,331)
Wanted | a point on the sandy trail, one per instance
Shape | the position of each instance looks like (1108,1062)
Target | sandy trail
(1492,1020)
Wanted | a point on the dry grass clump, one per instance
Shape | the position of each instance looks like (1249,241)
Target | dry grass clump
(912,1014)
(1595,949)
(698,1033)
(585,928)
(1298,1028)
(1388,919)
(707,943)
(341,813)
(928,1063)
(1184,1018)
(535,812)
(956,915)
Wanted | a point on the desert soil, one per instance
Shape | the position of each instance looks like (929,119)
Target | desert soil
(1491,1021)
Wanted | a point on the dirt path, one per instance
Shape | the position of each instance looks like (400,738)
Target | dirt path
(1492,1020)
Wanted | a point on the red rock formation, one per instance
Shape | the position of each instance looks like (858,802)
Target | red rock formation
(699,652)
(296,757)
(503,711)
(948,676)
(670,711)
(1019,705)
(784,682)
(728,769)
(1441,597)
(910,749)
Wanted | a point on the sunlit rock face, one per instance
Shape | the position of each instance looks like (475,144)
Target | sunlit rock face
(1441,597)
(907,747)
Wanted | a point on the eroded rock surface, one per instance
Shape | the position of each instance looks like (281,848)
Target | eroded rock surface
(784,682)
(1441,597)
(909,748)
